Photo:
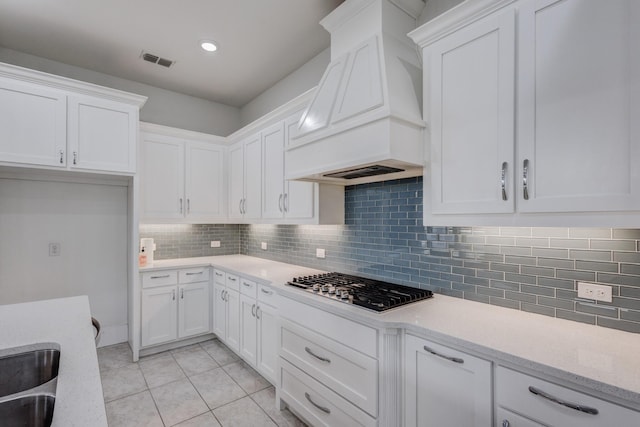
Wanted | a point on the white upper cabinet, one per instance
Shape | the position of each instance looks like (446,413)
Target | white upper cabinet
(273,171)
(579,106)
(54,122)
(32,124)
(472,118)
(102,134)
(548,109)
(181,180)
(245,178)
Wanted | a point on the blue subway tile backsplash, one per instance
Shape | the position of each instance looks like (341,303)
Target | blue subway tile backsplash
(525,268)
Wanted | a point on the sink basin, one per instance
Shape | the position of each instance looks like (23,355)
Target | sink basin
(24,371)
(31,410)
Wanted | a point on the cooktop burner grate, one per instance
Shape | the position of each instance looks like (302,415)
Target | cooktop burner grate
(368,293)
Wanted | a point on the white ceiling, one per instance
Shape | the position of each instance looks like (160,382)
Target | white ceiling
(260,41)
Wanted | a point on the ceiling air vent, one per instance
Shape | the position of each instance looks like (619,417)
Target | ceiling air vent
(150,57)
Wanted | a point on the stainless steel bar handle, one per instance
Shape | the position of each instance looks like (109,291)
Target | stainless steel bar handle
(244,206)
(280,203)
(257,312)
(320,358)
(180,204)
(233,279)
(219,274)
(450,358)
(160,277)
(322,408)
(188,205)
(253,310)
(182,293)
(240,206)
(525,179)
(193,274)
(264,291)
(226,296)
(61,156)
(503,180)
(286,202)
(75,157)
(173,297)
(222,295)
(246,284)
(581,408)
(505,423)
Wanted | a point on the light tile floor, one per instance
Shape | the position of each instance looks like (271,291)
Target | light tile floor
(199,385)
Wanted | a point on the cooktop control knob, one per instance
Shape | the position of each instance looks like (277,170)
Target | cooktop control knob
(316,288)
(344,294)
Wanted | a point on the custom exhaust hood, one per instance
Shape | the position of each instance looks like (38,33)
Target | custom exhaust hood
(364,123)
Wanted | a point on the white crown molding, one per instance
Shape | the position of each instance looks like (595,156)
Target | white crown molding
(454,19)
(63,83)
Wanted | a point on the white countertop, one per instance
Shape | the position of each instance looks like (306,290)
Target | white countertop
(603,361)
(66,321)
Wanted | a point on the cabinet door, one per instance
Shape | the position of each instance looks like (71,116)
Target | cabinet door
(233,319)
(219,307)
(273,171)
(159,315)
(471,90)
(267,342)
(161,178)
(299,197)
(236,180)
(204,181)
(448,388)
(253,177)
(193,309)
(102,134)
(248,325)
(507,418)
(579,105)
(33,124)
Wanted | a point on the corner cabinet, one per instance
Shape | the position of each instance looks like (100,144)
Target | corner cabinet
(58,123)
(573,93)
(445,387)
(182,176)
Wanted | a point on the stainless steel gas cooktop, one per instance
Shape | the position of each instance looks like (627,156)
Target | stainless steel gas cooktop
(368,293)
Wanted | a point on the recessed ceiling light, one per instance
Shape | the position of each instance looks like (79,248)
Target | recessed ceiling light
(208,45)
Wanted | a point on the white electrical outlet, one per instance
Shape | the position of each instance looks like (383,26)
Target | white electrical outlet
(263,246)
(54,249)
(215,243)
(594,292)
(320,253)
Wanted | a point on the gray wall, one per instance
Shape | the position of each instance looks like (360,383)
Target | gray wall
(434,8)
(163,107)
(304,78)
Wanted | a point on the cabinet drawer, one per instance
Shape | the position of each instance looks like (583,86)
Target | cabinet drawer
(152,279)
(516,392)
(248,288)
(192,275)
(507,418)
(233,282)
(219,277)
(349,373)
(267,295)
(347,332)
(315,402)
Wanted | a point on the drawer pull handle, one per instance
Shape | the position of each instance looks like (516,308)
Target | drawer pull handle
(160,277)
(320,358)
(585,409)
(322,408)
(193,274)
(248,285)
(450,358)
(264,291)
(233,279)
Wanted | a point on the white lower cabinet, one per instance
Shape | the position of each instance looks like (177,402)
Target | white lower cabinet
(328,366)
(445,387)
(538,401)
(249,326)
(226,306)
(267,363)
(175,305)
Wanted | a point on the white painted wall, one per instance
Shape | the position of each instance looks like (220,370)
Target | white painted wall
(163,107)
(90,223)
(304,78)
